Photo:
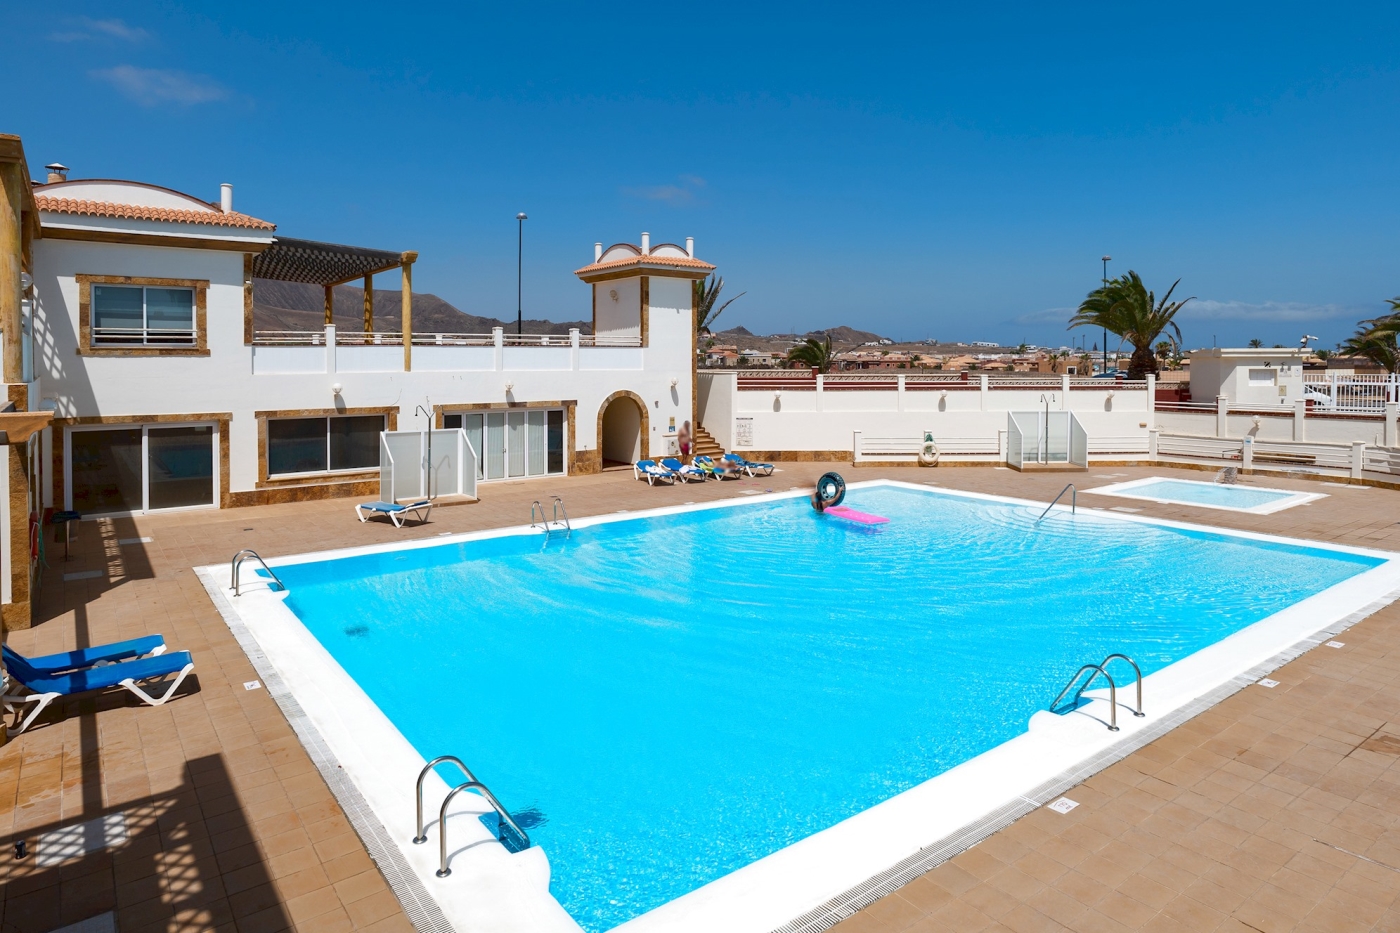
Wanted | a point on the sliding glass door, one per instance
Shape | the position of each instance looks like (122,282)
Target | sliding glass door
(514,444)
(142,468)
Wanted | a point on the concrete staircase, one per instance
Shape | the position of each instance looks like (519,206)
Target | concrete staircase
(705,444)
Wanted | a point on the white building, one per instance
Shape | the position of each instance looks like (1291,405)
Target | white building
(138,335)
(1248,377)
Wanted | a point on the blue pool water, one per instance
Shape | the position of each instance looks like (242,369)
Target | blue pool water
(668,699)
(1217,494)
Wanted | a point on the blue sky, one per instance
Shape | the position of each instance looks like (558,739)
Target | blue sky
(920,172)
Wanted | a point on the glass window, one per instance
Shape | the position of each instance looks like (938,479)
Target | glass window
(534,421)
(106,470)
(355,442)
(127,315)
(180,466)
(296,445)
(451,422)
(495,445)
(555,431)
(515,443)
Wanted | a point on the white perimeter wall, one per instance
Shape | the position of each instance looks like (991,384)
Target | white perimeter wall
(791,419)
(224,381)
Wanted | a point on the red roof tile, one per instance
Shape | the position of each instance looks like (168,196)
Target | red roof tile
(213,218)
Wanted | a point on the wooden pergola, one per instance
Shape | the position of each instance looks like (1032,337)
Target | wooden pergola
(331,264)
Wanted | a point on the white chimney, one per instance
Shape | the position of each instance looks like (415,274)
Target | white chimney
(597,251)
(690,246)
(226,198)
(646,243)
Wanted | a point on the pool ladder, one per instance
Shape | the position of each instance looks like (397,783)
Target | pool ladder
(471,783)
(249,554)
(1073,501)
(555,524)
(1101,669)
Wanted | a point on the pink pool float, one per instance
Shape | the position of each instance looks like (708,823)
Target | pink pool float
(851,515)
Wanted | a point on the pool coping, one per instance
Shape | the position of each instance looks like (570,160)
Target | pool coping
(788,911)
(1292,497)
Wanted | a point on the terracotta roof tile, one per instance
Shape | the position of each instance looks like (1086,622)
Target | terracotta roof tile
(644,262)
(213,218)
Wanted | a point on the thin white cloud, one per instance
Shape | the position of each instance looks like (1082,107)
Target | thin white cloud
(1045,316)
(151,86)
(1265,312)
(675,195)
(83,28)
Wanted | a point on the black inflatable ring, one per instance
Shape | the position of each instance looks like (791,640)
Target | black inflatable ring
(831,490)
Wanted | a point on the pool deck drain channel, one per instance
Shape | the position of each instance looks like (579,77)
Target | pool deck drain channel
(418,905)
(936,853)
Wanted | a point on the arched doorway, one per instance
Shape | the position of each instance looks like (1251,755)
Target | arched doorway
(622,426)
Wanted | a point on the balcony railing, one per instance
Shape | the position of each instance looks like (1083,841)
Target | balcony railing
(143,337)
(317,338)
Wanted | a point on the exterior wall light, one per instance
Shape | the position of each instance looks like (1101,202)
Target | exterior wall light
(336,389)
(510,386)
(675,382)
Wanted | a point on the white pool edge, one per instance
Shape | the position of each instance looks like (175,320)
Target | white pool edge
(1292,498)
(817,881)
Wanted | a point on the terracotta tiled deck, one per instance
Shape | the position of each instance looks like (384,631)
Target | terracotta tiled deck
(1276,810)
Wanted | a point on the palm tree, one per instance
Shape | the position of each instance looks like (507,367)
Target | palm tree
(1256,343)
(812,352)
(706,295)
(1375,339)
(1125,307)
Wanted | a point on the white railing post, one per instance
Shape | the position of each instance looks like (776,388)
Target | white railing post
(899,395)
(821,381)
(1152,444)
(1390,425)
(1300,414)
(1247,453)
(1151,393)
(498,340)
(573,348)
(1222,416)
(855,446)
(1064,392)
(330,348)
(1358,458)
(982,396)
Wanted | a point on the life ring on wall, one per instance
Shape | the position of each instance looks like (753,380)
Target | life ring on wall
(928,451)
(831,489)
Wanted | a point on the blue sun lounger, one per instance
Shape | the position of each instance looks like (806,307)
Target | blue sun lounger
(420,509)
(150,645)
(648,470)
(684,470)
(748,465)
(44,688)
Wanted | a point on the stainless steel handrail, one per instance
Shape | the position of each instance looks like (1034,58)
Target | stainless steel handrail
(558,508)
(1112,692)
(470,784)
(237,562)
(1137,673)
(537,519)
(1073,501)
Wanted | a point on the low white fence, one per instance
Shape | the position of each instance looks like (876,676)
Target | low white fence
(1353,459)
(1366,392)
(905,449)
(417,465)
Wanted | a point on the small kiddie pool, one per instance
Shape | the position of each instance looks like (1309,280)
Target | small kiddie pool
(1256,499)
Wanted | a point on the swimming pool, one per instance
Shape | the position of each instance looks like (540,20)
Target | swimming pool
(1228,496)
(668,699)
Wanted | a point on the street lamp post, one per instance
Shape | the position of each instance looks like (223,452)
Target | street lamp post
(519,275)
(1105,330)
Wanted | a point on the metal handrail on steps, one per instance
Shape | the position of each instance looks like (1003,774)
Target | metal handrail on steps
(249,554)
(1101,669)
(1073,501)
(471,783)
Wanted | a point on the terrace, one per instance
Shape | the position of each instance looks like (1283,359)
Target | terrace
(1269,811)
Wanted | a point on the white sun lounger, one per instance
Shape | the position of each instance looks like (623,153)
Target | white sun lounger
(396,512)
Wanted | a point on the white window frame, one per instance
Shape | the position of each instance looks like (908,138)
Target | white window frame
(141,337)
(145,427)
(481,454)
(384,426)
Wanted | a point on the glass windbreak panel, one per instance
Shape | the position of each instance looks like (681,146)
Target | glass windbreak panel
(106,470)
(170,309)
(355,442)
(117,315)
(474,425)
(495,445)
(555,433)
(297,445)
(534,423)
(179,467)
(515,443)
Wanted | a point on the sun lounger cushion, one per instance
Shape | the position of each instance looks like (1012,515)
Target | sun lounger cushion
(86,657)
